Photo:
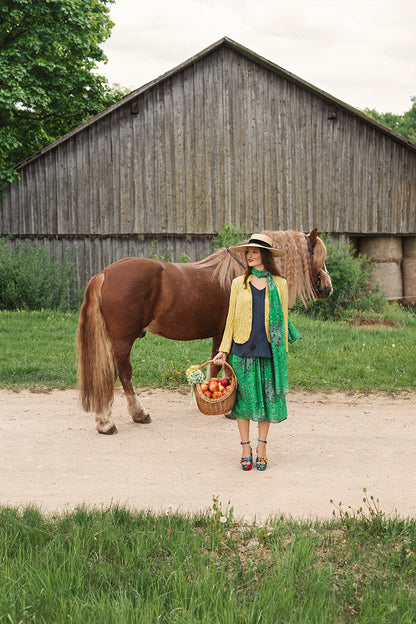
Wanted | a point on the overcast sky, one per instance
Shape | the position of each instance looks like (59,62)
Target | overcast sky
(360,51)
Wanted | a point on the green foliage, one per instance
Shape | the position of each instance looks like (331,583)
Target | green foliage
(350,275)
(31,279)
(228,235)
(402,124)
(48,53)
(162,254)
(157,253)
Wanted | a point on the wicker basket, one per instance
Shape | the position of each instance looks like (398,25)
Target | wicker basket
(214,407)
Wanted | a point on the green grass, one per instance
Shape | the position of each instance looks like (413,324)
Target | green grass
(37,351)
(119,566)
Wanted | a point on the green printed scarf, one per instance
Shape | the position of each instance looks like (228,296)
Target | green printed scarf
(278,333)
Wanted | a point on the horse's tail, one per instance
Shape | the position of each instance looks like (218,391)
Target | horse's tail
(96,365)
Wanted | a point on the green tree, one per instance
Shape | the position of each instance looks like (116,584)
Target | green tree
(402,124)
(49,50)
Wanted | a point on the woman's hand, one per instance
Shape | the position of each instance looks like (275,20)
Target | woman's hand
(219,359)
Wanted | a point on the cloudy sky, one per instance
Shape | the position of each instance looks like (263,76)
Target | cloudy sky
(361,51)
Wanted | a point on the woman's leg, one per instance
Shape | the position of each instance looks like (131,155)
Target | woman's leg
(246,451)
(264,426)
(244,430)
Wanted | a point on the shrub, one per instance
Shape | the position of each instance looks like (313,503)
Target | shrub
(32,279)
(350,274)
(228,235)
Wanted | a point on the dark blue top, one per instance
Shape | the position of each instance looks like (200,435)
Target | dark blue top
(257,345)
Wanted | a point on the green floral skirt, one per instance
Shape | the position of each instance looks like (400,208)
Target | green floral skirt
(257,397)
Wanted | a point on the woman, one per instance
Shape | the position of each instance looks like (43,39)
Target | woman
(256,336)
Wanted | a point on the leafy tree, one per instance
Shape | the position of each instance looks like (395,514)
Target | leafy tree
(402,124)
(49,50)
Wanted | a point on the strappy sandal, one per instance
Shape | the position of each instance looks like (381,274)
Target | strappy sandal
(261,462)
(246,462)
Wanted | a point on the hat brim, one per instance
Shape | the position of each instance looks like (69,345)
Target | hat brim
(243,248)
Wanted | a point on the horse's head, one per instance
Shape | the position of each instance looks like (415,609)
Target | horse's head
(320,278)
(304,264)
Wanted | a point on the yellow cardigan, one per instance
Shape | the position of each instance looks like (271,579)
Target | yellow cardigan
(240,312)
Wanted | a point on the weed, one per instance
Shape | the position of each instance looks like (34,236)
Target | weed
(370,516)
(171,376)
(220,517)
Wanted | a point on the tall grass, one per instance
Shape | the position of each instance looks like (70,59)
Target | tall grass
(119,566)
(37,350)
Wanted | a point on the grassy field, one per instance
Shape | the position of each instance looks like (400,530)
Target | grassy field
(37,350)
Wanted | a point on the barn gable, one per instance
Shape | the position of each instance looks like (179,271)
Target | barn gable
(225,137)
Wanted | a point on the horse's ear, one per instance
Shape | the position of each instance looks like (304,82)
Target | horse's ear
(313,236)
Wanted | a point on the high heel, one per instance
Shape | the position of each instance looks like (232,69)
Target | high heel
(246,462)
(261,462)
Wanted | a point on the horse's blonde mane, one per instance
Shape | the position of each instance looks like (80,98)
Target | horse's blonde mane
(224,267)
(295,266)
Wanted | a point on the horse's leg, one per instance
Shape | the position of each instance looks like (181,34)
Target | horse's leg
(212,369)
(104,421)
(134,405)
(216,341)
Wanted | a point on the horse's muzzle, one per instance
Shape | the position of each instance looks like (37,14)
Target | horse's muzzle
(323,286)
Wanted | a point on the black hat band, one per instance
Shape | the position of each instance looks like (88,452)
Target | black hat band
(261,243)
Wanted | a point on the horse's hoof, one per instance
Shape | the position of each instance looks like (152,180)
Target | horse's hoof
(143,419)
(146,420)
(110,431)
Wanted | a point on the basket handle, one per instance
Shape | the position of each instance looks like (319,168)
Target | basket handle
(225,364)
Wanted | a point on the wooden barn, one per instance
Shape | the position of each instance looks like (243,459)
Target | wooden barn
(227,136)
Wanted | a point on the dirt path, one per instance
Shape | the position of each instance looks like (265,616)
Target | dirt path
(331,447)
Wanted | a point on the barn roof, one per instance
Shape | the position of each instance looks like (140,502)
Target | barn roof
(239,49)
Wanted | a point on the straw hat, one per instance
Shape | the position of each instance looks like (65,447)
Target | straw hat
(262,241)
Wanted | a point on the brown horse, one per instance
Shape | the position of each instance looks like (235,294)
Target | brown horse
(184,301)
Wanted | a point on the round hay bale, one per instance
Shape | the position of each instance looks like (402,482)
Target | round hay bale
(409,277)
(389,276)
(382,248)
(409,247)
